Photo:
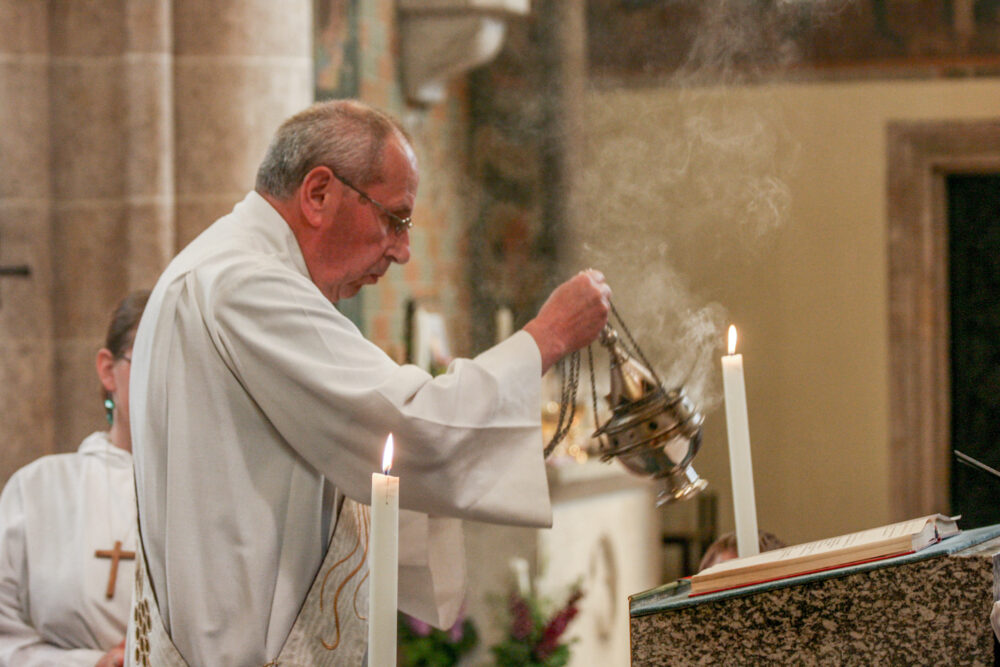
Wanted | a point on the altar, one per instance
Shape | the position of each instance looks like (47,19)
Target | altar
(605,536)
(931,607)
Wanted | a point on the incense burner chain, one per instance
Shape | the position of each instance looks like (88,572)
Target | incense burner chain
(652,431)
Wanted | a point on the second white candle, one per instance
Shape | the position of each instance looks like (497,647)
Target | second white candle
(740,465)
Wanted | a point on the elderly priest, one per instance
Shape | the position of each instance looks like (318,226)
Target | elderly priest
(259,413)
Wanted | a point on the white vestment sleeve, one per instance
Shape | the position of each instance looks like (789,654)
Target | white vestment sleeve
(20,643)
(431,568)
(468,442)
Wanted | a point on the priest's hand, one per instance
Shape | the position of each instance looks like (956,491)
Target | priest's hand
(572,317)
(113,658)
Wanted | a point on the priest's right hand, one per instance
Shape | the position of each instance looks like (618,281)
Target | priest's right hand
(113,658)
(572,317)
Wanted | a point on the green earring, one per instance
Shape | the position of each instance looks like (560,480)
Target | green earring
(109,407)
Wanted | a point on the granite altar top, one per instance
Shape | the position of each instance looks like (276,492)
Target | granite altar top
(676,595)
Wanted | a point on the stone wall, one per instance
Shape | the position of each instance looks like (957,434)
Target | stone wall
(127,128)
(26,326)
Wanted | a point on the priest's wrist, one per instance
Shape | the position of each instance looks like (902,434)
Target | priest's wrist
(551,347)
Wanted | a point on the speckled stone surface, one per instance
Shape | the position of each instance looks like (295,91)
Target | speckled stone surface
(924,609)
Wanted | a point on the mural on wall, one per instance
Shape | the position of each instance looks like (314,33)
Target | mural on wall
(336,49)
(335,54)
(815,38)
(517,166)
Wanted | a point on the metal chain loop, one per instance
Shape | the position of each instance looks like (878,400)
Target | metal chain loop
(567,399)
(634,346)
(593,394)
(571,382)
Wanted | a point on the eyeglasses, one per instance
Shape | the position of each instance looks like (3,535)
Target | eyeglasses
(399,225)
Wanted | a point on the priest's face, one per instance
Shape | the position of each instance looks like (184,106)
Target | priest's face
(359,240)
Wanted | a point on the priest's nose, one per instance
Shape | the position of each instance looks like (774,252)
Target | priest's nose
(399,251)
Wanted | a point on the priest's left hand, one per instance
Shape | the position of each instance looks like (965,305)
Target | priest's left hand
(113,658)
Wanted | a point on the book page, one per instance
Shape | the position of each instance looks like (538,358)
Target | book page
(842,542)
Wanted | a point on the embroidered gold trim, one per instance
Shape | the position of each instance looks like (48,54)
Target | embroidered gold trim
(362,520)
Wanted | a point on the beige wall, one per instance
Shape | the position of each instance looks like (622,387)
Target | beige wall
(667,182)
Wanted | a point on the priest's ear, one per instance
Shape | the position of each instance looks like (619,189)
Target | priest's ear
(105,367)
(318,194)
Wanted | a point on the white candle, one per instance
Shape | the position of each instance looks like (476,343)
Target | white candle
(519,567)
(504,320)
(383,565)
(740,467)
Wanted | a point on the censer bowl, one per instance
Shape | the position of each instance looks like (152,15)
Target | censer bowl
(657,436)
(651,431)
(652,459)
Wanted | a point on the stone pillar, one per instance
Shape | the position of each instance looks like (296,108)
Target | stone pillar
(562,63)
(89,160)
(567,67)
(160,111)
(149,129)
(240,68)
(526,110)
(26,369)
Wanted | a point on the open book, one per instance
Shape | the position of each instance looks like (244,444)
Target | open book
(884,542)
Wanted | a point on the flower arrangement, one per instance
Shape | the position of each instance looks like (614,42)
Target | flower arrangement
(534,638)
(421,645)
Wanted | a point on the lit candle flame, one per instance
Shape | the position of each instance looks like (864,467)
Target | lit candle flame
(387,455)
(732,339)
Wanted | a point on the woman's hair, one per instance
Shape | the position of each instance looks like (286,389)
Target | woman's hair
(720,549)
(124,321)
(345,135)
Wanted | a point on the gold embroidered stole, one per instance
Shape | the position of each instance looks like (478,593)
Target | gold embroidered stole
(331,628)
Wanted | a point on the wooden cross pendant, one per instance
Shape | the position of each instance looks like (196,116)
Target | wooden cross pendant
(115,555)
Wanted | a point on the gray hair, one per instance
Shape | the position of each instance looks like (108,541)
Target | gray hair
(346,135)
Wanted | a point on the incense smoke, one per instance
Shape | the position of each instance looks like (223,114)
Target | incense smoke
(689,173)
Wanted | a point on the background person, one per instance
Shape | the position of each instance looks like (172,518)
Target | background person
(60,519)
(725,548)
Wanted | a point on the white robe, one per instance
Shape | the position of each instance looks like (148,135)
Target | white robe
(253,399)
(54,514)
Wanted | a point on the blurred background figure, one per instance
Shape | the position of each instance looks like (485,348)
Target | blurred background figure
(67,533)
(724,548)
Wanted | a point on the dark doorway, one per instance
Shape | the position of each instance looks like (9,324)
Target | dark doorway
(974,278)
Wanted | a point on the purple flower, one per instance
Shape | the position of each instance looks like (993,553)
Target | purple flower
(520,613)
(419,628)
(457,631)
(557,626)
